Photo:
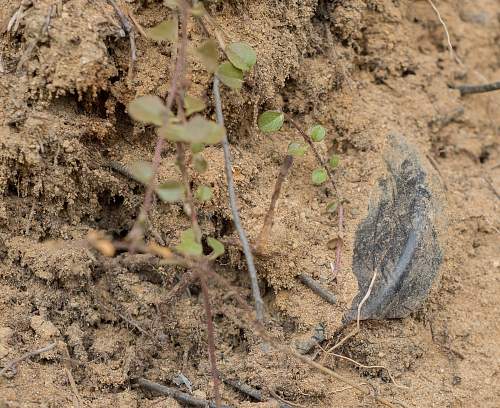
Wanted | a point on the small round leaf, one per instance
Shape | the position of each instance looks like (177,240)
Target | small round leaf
(193,105)
(317,133)
(141,171)
(199,163)
(170,192)
(270,121)
(334,161)
(297,149)
(241,55)
(217,247)
(197,147)
(208,55)
(188,245)
(319,176)
(148,109)
(165,31)
(230,75)
(332,207)
(203,193)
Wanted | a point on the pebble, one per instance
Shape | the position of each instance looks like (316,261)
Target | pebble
(44,328)
(4,351)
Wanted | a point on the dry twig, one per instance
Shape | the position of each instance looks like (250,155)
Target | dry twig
(176,394)
(259,303)
(482,88)
(317,288)
(12,365)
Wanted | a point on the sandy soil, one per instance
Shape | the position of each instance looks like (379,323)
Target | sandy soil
(363,69)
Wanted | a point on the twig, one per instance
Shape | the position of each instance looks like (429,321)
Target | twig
(448,39)
(129,30)
(340,243)
(370,367)
(317,288)
(268,220)
(211,338)
(175,394)
(356,330)
(251,392)
(283,401)
(278,345)
(11,365)
(259,303)
(67,368)
(138,228)
(473,89)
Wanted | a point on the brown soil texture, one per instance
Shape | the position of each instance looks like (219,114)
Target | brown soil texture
(362,68)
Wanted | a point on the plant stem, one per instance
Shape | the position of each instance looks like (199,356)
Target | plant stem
(179,71)
(340,209)
(319,159)
(259,303)
(268,220)
(472,89)
(211,337)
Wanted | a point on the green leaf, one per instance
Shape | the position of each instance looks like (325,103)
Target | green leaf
(197,147)
(197,130)
(165,31)
(317,133)
(208,55)
(297,149)
(148,109)
(141,171)
(198,9)
(203,193)
(241,55)
(270,121)
(319,176)
(332,207)
(170,192)
(334,161)
(193,105)
(199,163)
(217,247)
(230,75)
(188,245)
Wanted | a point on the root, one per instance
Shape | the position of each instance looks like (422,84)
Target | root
(11,366)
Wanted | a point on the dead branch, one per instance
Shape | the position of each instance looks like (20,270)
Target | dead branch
(12,365)
(259,303)
(176,394)
(482,88)
(317,288)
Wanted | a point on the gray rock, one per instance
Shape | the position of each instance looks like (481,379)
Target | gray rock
(398,238)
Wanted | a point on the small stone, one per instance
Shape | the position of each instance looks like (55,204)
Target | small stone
(399,237)
(44,328)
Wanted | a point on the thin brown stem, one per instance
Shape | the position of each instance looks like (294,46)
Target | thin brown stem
(211,337)
(268,220)
(181,162)
(482,88)
(179,71)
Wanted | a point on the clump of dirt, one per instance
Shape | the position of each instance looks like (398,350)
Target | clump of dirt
(364,69)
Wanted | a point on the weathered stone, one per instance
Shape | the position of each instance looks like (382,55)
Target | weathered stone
(398,239)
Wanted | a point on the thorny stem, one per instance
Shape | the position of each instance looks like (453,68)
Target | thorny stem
(138,228)
(268,220)
(211,337)
(259,304)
